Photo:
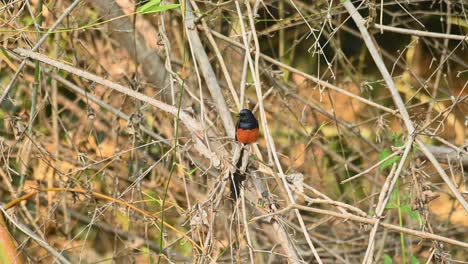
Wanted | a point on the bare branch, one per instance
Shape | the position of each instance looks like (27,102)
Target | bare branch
(420,33)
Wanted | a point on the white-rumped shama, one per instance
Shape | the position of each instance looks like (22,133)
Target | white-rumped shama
(246,133)
(247,127)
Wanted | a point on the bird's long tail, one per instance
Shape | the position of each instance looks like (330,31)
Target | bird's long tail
(237,178)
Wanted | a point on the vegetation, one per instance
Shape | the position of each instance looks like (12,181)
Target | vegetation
(117,131)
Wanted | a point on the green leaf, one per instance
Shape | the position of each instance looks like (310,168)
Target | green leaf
(148,6)
(406,197)
(415,149)
(383,155)
(391,205)
(154,7)
(393,201)
(152,200)
(414,260)
(413,214)
(387,259)
(191,172)
(27,21)
(4,52)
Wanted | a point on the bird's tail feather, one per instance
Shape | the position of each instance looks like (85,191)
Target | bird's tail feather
(237,178)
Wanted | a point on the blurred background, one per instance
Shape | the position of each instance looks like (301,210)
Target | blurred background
(94,173)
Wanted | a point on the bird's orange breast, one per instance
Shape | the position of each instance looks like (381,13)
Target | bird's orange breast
(247,136)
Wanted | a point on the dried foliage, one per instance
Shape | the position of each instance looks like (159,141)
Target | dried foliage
(117,131)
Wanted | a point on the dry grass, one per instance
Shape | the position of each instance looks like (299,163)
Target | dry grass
(116,138)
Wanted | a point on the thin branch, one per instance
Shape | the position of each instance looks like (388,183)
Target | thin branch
(246,226)
(421,33)
(445,154)
(384,196)
(372,167)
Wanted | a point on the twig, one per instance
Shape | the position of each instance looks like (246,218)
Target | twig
(282,236)
(92,98)
(246,226)
(384,191)
(106,106)
(338,204)
(284,240)
(420,33)
(372,167)
(444,154)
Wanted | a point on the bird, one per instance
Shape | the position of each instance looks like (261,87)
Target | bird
(247,127)
(246,133)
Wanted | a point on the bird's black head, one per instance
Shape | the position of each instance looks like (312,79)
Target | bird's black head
(247,120)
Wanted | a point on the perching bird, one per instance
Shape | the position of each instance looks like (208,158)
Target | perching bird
(247,127)
(246,133)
